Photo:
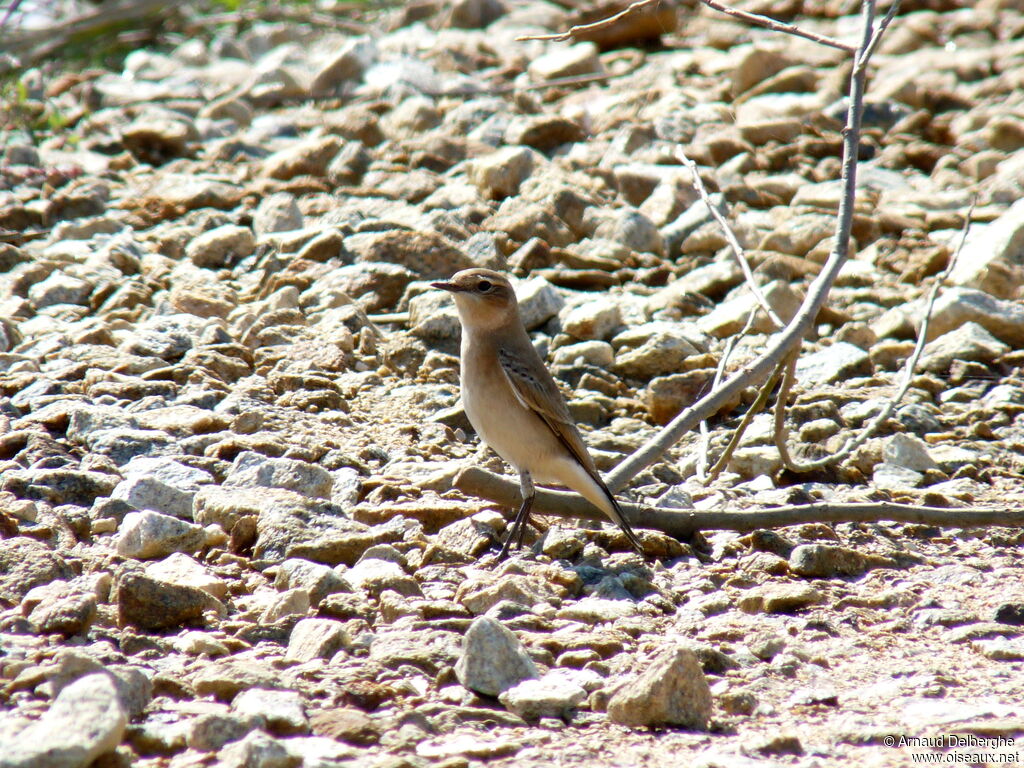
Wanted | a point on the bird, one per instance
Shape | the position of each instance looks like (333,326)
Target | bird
(514,404)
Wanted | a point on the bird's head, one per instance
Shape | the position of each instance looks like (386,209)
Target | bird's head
(485,298)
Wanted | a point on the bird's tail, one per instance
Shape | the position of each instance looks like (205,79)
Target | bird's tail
(619,518)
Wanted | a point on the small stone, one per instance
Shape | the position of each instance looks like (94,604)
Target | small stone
(221,247)
(597,610)
(211,731)
(281,711)
(833,363)
(729,317)
(145,535)
(317,579)
(825,561)
(179,568)
(909,452)
(499,174)
(896,478)
(151,604)
(597,319)
(957,306)
(671,691)
(970,342)
(316,639)
(566,61)
(59,288)
(161,485)
(85,721)
(346,724)
(662,353)
(987,248)
(597,353)
(254,470)
(277,213)
(306,157)
(780,598)
(553,695)
(492,659)
(539,301)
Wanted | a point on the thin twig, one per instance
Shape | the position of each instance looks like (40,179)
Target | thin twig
(581,28)
(730,236)
(908,376)
(755,408)
(681,524)
(792,335)
(778,26)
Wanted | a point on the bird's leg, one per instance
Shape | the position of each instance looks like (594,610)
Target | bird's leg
(519,526)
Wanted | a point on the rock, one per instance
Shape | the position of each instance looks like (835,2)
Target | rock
(553,695)
(316,639)
(957,306)
(26,563)
(257,750)
(151,604)
(566,61)
(474,14)
(833,363)
(988,252)
(306,157)
(161,485)
(221,247)
(146,535)
(780,598)
(492,660)
(539,301)
(896,478)
(970,342)
(661,353)
(824,561)
(85,721)
(347,724)
(211,731)
(59,288)
(666,396)
(226,678)
(346,65)
(671,691)
(375,575)
(183,570)
(499,174)
(593,320)
(597,353)
(318,580)
(277,213)
(597,610)
(253,470)
(282,712)
(729,317)
(68,612)
(909,452)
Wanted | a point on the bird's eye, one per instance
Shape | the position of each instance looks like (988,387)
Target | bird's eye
(484,286)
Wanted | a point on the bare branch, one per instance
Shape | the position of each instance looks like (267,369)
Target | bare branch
(681,524)
(730,236)
(792,335)
(778,26)
(908,376)
(583,28)
(756,407)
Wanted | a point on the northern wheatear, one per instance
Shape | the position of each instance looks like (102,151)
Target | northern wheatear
(514,404)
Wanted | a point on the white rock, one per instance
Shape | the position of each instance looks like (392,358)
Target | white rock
(86,720)
(145,535)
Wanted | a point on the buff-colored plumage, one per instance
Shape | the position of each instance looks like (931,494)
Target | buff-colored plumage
(513,402)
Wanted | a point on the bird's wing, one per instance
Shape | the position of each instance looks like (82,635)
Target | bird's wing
(535,389)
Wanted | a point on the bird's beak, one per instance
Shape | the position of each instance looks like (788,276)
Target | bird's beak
(450,287)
